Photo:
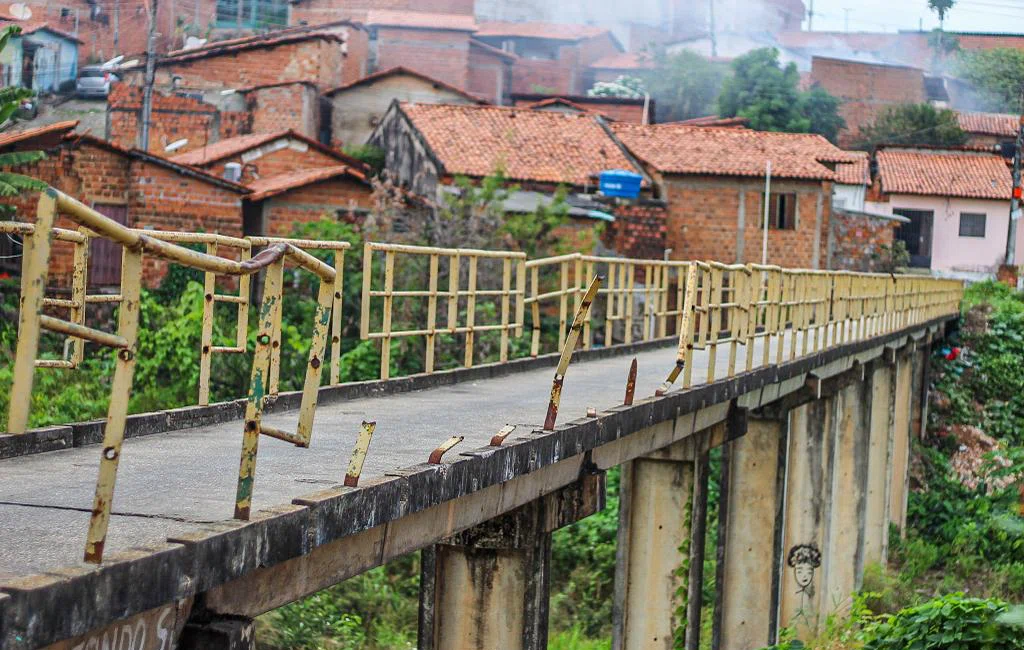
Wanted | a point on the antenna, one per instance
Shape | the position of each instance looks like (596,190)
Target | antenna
(177,144)
(20,11)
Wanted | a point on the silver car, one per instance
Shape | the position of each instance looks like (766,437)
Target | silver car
(94,81)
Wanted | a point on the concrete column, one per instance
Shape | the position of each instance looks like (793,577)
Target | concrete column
(487,587)
(843,557)
(876,515)
(901,442)
(808,492)
(749,511)
(218,634)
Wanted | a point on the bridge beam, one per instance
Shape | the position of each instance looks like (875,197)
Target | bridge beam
(487,587)
(660,551)
(903,414)
(749,534)
(220,633)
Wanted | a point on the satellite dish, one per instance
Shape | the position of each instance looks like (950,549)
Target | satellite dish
(228,91)
(129,64)
(113,62)
(20,11)
(193,42)
(177,144)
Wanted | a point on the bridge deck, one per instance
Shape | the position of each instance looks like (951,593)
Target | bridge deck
(169,483)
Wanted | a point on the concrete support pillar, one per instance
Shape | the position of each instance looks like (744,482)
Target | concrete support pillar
(843,556)
(748,553)
(883,419)
(218,634)
(808,493)
(487,587)
(901,441)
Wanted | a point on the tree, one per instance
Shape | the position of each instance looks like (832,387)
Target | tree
(11,97)
(914,124)
(997,75)
(684,85)
(623,86)
(941,7)
(766,94)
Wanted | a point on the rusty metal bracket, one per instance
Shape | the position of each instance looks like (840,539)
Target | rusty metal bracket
(582,314)
(630,384)
(355,464)
(503,433)
(435,456)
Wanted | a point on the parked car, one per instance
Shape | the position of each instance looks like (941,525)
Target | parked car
(94,81)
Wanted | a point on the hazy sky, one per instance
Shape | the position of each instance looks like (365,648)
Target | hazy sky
(890,15)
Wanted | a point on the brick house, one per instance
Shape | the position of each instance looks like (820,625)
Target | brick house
(315,12)
(357,108)
(859,239)
(42,57)
(619,109)
(988,129)
(436,45)
(713,179)
(490,72)
(327,56)
(552,58)
(957,203)
(613,66)
(132,187)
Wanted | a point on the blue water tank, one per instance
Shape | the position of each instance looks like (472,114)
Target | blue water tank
(620,183)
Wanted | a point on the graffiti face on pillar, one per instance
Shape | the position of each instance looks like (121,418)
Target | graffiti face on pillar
(804,558)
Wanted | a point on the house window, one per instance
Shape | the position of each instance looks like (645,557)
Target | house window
(972,224)
(253,14)
(782,211)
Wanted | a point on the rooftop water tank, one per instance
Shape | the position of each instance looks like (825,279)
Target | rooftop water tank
(620,183)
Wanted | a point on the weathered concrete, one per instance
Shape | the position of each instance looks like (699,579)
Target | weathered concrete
(750,493)
(808,491)
(879,482)
(218,634)
(901,442)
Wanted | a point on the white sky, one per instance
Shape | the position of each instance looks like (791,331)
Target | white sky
(890,15)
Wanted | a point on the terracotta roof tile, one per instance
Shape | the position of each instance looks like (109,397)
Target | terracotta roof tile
(402,70)
(56,130)
(273,185)
(238,144)
(686,149)
(625,61)
(944,173)
(32,26)
(856,173)
(421,20)
(540,146)
(1000,124)
(218,48)
(714,120)
(553,31)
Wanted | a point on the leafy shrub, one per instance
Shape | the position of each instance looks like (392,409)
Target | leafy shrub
(951,622)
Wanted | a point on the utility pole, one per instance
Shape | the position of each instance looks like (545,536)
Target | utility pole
(147,91)
(810,17)
(711,27)
(1011,235)
(117,27)
(846,20)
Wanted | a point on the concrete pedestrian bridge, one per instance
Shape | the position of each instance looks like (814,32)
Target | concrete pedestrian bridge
(812,383)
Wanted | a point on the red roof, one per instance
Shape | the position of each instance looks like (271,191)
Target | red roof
(959,174)
(702,150)
(402,70)
(999,124)
(218,48)
(267,187)
(32,26)
(855,173)
(490,49)
(421,20)
(55,131)
(529,145)
(714,120)
(625,61)
(233,146)
(553,31)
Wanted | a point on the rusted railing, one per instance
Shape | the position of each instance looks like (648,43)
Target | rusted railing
(136,244)
(455,298)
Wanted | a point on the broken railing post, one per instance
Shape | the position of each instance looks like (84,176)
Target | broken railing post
(582,314)
(630,384)
(355,464)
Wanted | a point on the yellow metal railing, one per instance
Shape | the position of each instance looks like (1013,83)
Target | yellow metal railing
(456,298)
(136,244)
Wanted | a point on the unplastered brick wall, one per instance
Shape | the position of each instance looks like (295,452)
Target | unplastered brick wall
(286,106)
(273,159)
(441,54)
(313,12)
(556,77)
(175,117)
(638,231)
(704,219)
(337,198)
(489,75)
(858,242)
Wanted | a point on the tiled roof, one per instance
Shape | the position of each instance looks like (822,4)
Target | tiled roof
(558,101)
(421,20)
(238,144)
(856,173)
(490,49)
(218,48)
(944,173)
(1000,124)
(686,149)
(539,146)
(52,132)
(33,26)
(714,120)
(267,187)
(625,61)
(553,31)
(402,70)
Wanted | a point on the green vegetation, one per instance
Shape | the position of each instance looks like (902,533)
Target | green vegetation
(997,74)
(913,124)
(684,85)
